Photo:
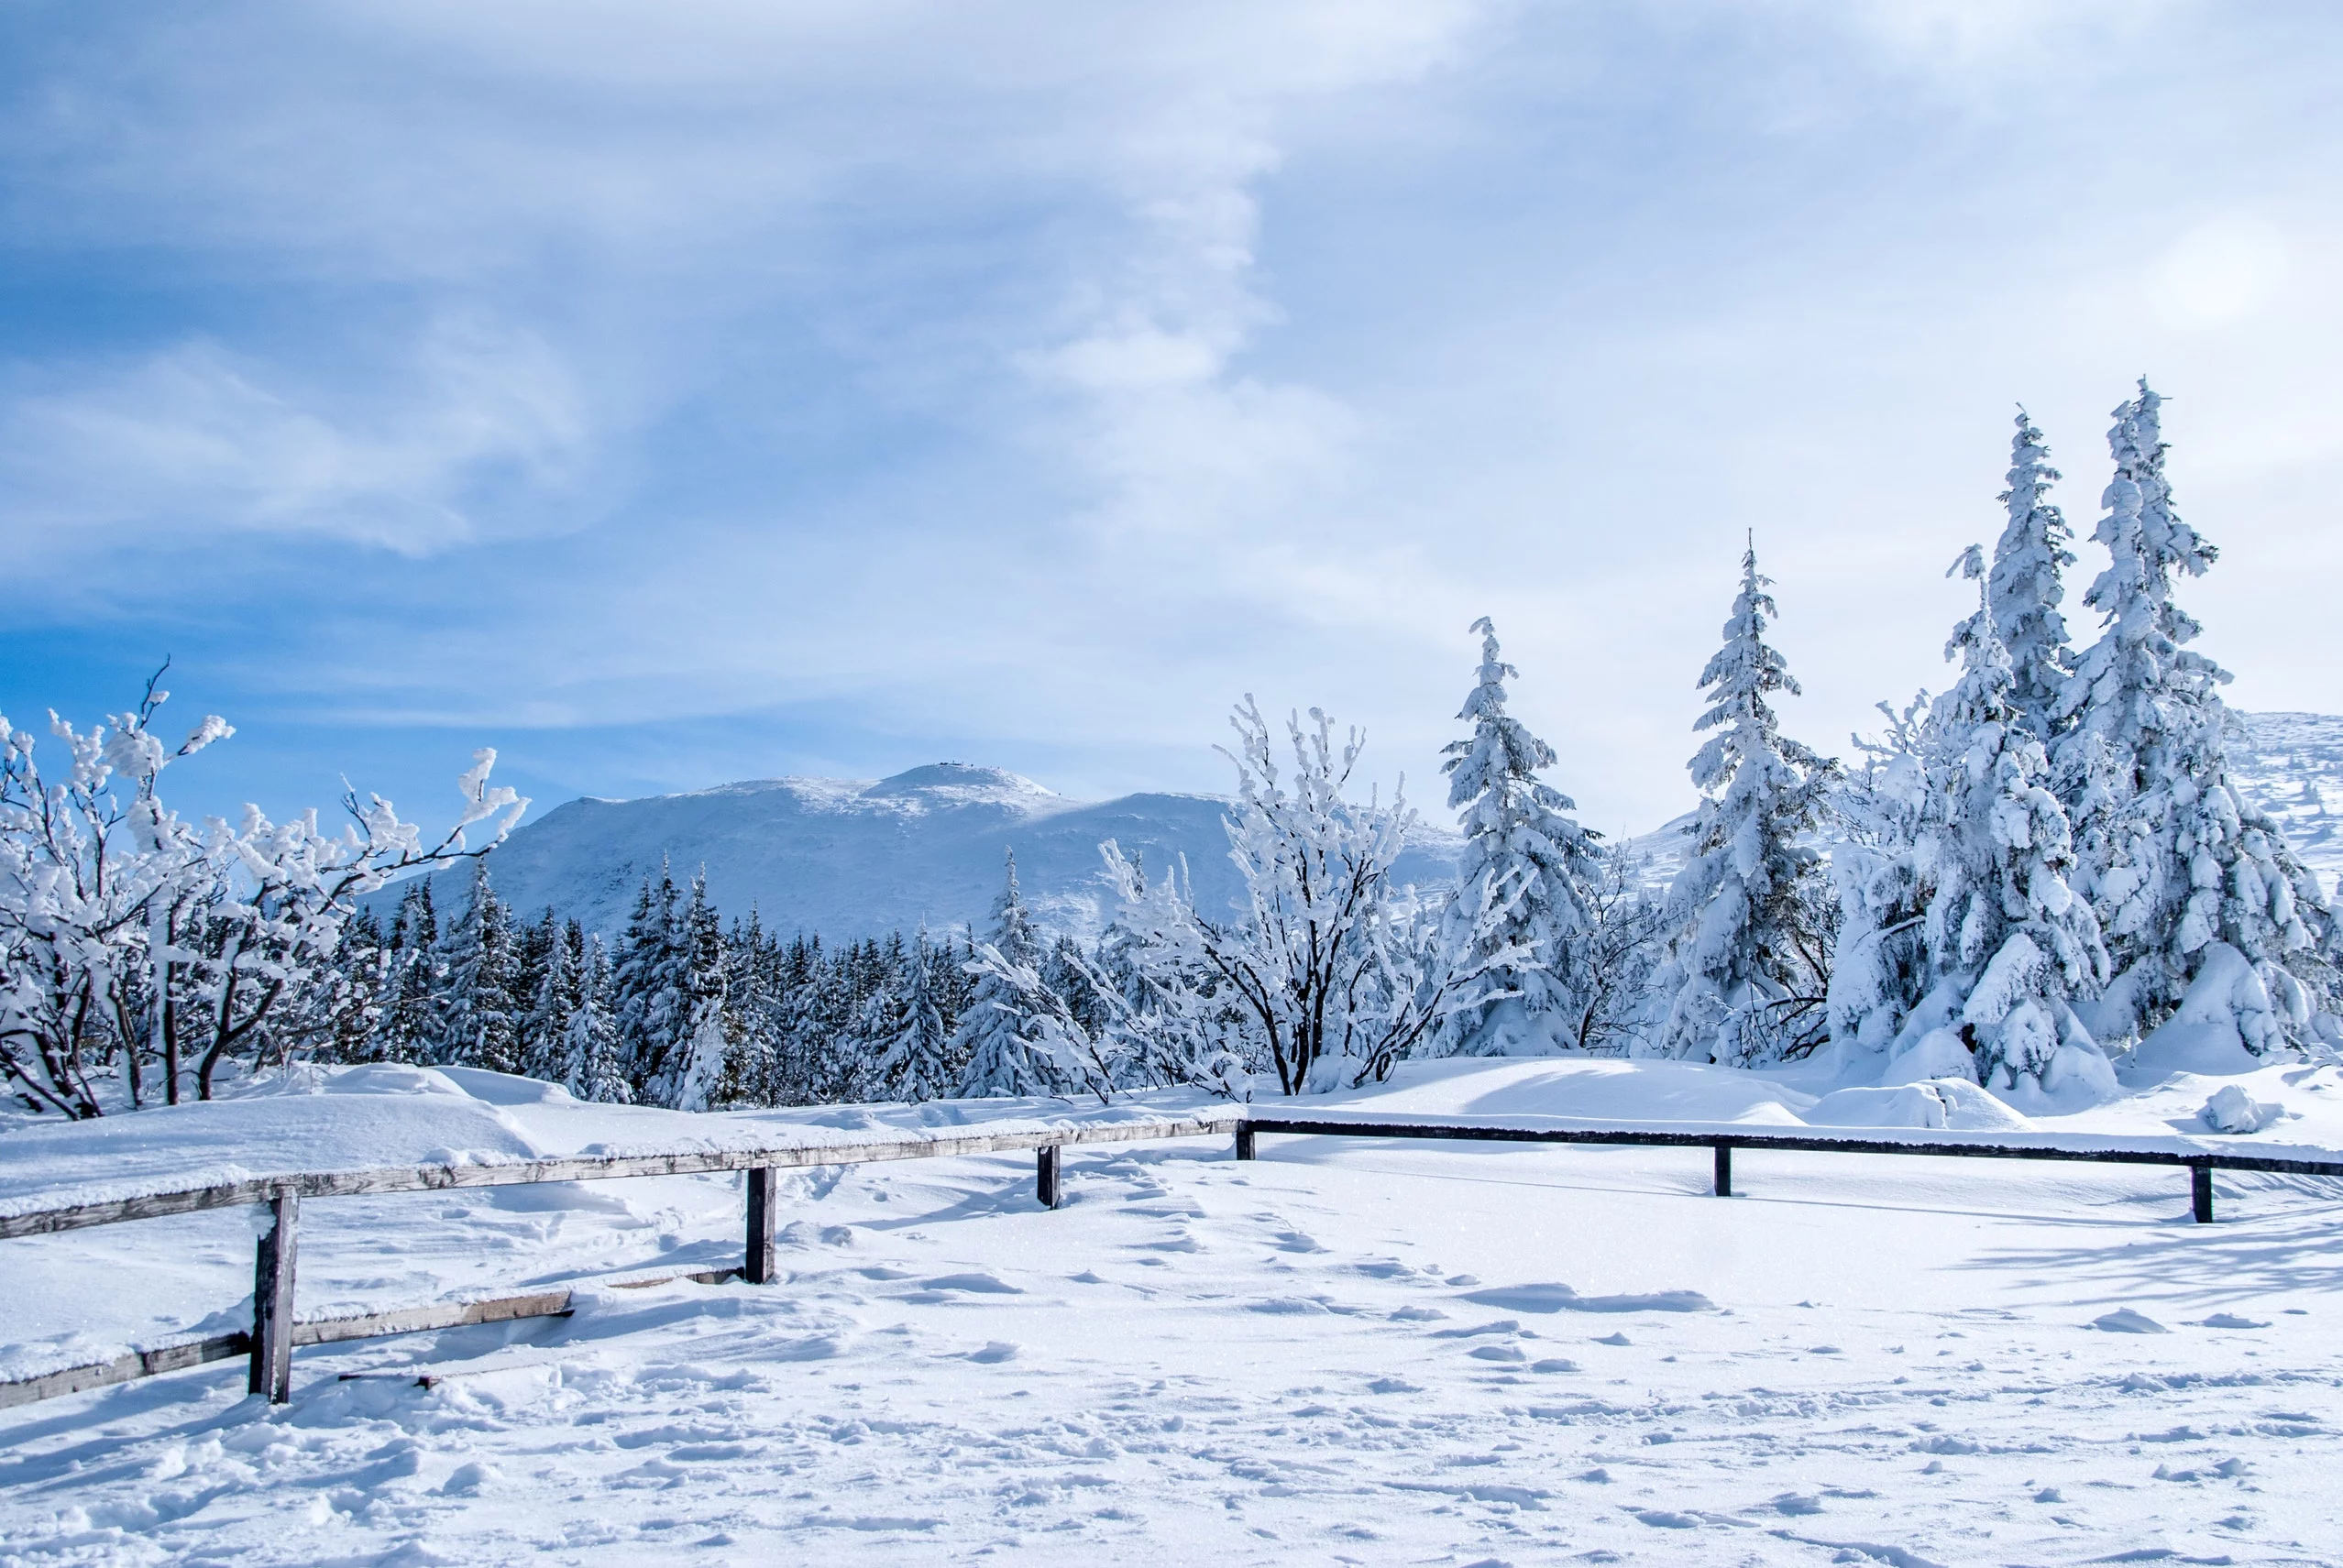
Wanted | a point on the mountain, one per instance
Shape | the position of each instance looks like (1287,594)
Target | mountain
(852,857)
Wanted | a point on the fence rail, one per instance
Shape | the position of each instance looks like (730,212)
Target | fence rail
(276,1329)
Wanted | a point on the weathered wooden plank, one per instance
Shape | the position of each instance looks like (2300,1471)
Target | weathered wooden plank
(441,1315)
(2200,1192)
(124,1368)
(1654,1137)
(1045,1174)
(599,1167)
(1724,1170)
(273,1302)
(764,1184)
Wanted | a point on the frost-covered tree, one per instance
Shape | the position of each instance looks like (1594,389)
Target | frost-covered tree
(2026,587)
(1961,939)
(593,1054)
(127,935)
(1329,972)
(917,1062)
(652,999)
(1520,843)
(2182,872)
(694,1071)
(1748,957)
(480,1021)
(999,1036)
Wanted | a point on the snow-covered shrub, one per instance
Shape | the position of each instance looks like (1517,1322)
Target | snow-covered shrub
(1329,973)
(2232,1110)
(130,939)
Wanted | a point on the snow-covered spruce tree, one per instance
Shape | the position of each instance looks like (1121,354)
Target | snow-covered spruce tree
(1329,973)
(651,1000)
(1749,911)
(918,1062)
(2026,589)
(2206,908)
(692,1073)
(593,1054)
(998,1038)
(560,992)
(1520,843)
(481,1018)
(408,1031)
(1961,948)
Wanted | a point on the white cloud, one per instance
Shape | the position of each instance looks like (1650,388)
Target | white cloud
(193,440)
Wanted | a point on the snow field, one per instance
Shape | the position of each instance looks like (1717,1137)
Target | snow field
(1347,1351)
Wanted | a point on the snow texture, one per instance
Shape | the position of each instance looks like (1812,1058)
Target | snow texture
(1342,1352)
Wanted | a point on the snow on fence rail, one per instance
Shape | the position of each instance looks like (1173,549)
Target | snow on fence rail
(275,1330)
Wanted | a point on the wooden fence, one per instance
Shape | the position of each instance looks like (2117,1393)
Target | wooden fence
(275,1330)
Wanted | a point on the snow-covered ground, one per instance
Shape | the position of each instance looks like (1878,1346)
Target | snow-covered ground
(1347,1351)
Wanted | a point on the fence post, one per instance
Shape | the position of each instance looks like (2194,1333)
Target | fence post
(1244,1140)
(762,1184)
(1724,1169)
(272,1301)
(1045,1174)
(2200,1192)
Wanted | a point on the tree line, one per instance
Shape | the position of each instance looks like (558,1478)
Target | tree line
(2014,882)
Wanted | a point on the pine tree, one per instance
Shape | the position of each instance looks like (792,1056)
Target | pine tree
(1958,919)
(997,1038)
(480,1016)
(409,1029)
(560,992)
(918,1062)
(694,1071)
(1524,849)
(653,1010)
(2189,882)
(594,1053)
(2025,590)
(1749,954)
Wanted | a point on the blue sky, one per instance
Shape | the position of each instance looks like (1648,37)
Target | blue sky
(671,395)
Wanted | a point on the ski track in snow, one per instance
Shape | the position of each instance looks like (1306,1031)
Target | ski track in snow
(1281,1361)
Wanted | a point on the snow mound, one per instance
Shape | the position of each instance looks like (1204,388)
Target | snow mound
(2124,1321)
(2232,1110)
(1556,1297)
(1953,1102)
(1601,1088)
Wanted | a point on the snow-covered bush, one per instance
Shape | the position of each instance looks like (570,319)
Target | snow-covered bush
(1329,972)
(1750,913)
(130,939)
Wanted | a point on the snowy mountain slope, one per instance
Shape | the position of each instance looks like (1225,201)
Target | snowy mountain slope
(854,858)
